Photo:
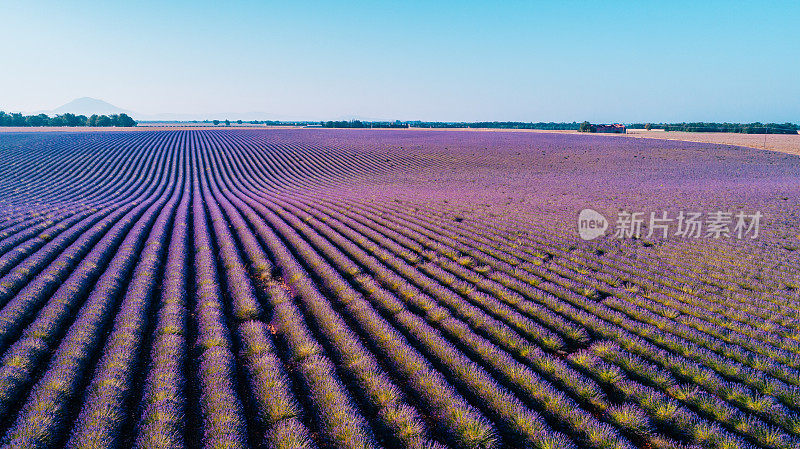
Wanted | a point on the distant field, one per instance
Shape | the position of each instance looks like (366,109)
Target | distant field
(289,288)
(785,143)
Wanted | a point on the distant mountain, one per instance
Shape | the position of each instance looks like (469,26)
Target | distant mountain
(88,106)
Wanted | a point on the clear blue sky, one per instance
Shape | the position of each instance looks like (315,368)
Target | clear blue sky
(466,60)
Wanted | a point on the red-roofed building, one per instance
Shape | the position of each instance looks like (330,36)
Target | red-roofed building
(615,128)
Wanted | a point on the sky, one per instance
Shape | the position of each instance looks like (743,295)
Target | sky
(609,61)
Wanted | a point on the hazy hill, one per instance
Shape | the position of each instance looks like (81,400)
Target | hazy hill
(88,106)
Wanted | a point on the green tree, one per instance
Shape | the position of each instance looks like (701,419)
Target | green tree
(227,122)
(216,122)
(585,127)
(37,120)
(58,121)
(17,119)
(124,120)
(70,119)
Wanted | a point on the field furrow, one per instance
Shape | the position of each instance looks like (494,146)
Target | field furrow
(346,289)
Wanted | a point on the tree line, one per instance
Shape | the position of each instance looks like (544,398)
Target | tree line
(68,119)
(499,125)
(360,124)
(744,128)
(422,124)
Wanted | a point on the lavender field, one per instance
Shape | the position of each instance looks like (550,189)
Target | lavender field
(295,288)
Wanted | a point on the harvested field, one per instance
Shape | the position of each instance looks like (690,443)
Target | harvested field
(785,143)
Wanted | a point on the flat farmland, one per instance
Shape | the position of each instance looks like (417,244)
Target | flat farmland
(786,143)
(299,288)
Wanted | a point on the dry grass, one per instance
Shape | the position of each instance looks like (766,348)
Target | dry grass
(784,143)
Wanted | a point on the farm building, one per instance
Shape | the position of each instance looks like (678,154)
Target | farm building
(615,128)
